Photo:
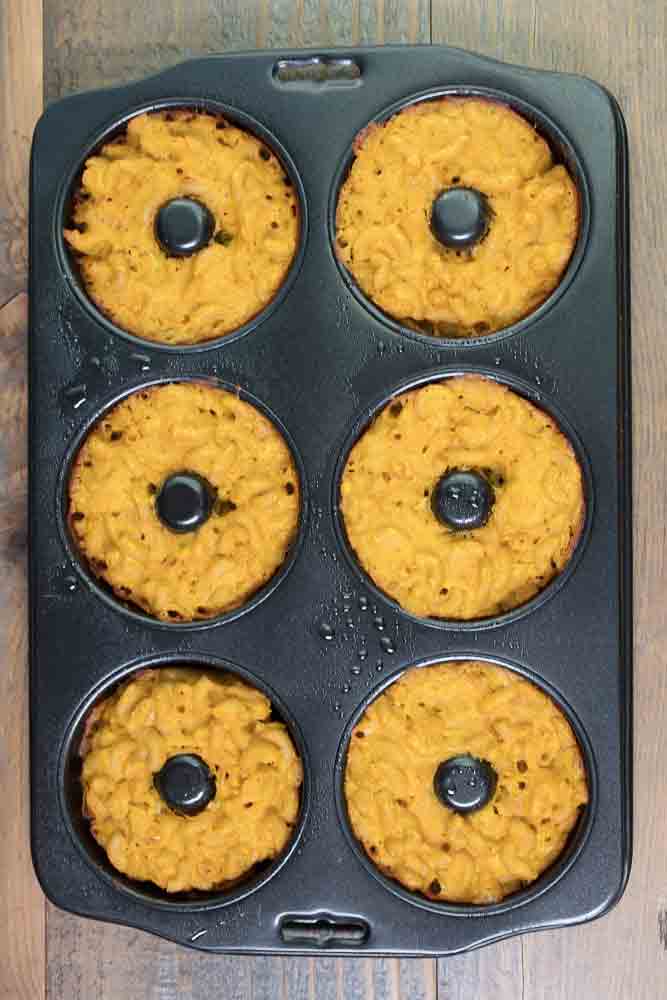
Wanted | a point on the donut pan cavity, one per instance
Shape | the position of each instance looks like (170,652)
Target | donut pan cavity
(70,788)
(321,640)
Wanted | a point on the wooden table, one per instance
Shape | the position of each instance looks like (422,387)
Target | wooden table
(52,47)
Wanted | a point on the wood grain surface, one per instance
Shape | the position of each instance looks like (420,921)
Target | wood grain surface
(88,43)
(22,951)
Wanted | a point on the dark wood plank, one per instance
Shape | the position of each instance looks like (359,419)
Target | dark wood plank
(496,971)
(623,46)
(21,901)
(20,106)
(92,43)
(87,45)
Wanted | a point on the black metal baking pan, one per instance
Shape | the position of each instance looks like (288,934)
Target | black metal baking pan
(321,640)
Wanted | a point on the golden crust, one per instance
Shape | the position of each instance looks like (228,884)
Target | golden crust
(120,468)
(430,715)
(181,153)
(158,713)
(466,422)
(383,214)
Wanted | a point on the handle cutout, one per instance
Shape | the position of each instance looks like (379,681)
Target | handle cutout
(317,70)
(322,932)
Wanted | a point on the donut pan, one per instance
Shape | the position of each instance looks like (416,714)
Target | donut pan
(320,639)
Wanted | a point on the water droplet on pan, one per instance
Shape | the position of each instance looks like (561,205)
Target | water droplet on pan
(379,665)
(142,360)
(363,603)
(362,653)
(326,631)
(379,623)
(74,396)
(355,669)
(387,644)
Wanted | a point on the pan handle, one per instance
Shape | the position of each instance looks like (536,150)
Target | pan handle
(317,70)
(324,930)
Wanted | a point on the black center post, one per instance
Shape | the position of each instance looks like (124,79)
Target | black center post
(185,501)
(183,226)
(465,783)
(462,499)
(460,217)
(185,783)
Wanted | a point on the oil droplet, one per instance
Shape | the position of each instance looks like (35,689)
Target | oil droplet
(381,348)
(326,632)
(387,644)
(374,609)
(379,665)
(347,687)
(349,621)
(362,653)
(379,623)
(346,606)
(355,669)
(347,596)
(497,361)
(363,603)
(538,380)
(71,583)
(337,706)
